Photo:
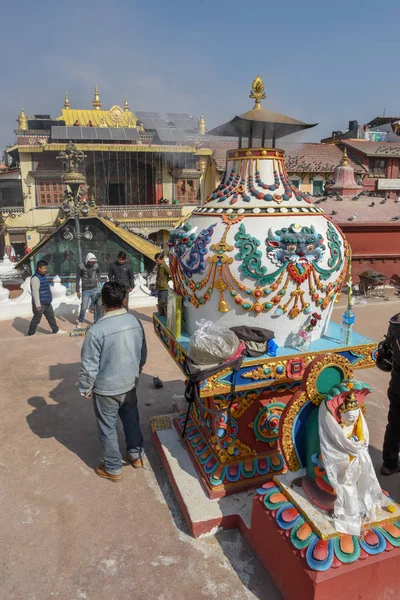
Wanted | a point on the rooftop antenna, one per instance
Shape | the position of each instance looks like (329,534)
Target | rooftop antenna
(384,111)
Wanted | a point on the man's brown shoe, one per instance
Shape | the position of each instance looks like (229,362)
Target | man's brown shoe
(101,472)
(136,463)
(386,471)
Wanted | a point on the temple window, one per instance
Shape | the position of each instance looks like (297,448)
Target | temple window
(296,182)
(377,167)
(11,194)
(186,191)
(317,185)
(50,193)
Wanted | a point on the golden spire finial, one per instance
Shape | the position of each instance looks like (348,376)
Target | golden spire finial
(257,91)
(22,120)
(126,105)
(202,125)
(67,104)
(96,100)
(344,160)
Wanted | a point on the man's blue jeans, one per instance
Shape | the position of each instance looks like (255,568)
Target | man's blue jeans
(107,409)
(88,297)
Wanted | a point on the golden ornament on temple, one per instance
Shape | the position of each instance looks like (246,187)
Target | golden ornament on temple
(67,104)
(391,508)
(202,125)
(22,120)
(257,91)
(96,100)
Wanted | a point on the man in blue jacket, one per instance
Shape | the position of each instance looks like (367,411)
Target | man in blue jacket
(41,300)
(113,355)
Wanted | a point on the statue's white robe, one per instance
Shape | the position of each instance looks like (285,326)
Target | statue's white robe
(350,471)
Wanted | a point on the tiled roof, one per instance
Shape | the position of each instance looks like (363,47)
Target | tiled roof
(315,158)
(220,148)
(302,158)
(342,211)
(374,148)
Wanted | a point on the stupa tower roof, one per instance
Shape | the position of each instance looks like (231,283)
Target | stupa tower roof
(259,122)
(256,178)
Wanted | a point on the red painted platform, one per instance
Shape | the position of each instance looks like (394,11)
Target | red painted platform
(370,578)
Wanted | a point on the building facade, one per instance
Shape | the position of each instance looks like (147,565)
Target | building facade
(146,169)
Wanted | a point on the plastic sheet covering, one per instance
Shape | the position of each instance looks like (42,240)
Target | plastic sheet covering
(210,344)
(351,473)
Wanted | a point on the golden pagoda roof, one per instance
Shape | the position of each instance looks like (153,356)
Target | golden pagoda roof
(135,241)
(99,118)
(260,122)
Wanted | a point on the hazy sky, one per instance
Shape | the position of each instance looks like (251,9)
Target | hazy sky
(324,62)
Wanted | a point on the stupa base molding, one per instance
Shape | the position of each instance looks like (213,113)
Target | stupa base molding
(220,479)
(370,572)
(305,567)
(202,514)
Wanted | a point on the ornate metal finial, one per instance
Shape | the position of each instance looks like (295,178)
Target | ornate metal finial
(67,104)
(72,157)
(22,120)
(126,105)
(202,125)
(257,91)
(344,161)
(96,100)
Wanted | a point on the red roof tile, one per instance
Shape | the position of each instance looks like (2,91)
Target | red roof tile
(374,148)
(361,209)
(301,158)
(315,158)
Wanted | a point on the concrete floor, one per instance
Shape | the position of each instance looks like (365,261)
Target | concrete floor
(66,533)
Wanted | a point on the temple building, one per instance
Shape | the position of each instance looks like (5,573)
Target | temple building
(371,224)
(142,169)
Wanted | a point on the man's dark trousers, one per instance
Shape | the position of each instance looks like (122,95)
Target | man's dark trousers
(391,442)
(47,311)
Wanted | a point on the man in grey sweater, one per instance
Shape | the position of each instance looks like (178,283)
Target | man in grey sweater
(113,355)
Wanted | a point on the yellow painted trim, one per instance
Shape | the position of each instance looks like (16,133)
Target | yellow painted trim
(116,148)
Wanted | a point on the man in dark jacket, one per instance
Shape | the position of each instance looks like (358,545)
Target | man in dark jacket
(391,442)
(121,271)
(89,275)
(41,300)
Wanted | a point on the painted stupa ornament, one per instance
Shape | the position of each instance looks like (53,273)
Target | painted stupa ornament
(258,252)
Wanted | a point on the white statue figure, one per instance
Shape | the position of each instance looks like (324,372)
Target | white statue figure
(344,440)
